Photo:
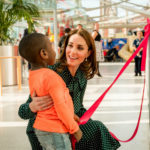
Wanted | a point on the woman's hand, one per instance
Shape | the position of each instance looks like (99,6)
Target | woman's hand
(40,103)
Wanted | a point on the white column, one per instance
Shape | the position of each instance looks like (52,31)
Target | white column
(148,74)
(55,27)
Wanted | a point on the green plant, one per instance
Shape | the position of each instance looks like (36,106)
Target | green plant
(12,11)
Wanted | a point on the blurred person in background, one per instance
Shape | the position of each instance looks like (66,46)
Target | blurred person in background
(138,57)
(62,39)
(99,52)
(79,26)
(112,51)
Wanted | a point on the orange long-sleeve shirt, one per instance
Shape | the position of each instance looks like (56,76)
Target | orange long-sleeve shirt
(59,118)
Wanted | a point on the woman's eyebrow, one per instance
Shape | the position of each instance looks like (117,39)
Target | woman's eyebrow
(80,45)
(70,43)
(77,44)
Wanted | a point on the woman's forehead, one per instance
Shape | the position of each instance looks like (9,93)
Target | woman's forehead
(76,38)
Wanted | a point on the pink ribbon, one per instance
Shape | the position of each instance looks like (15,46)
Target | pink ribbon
(138,122)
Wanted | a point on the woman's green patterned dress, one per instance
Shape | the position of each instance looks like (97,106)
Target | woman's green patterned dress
(95,135)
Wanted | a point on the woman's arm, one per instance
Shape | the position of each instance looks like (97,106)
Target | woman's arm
(34,104)
(94,34)
(25,111)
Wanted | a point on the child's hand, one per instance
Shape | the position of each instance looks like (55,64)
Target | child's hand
(78,135)
(76,118)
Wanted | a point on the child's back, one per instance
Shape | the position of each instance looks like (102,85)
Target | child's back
(59,118)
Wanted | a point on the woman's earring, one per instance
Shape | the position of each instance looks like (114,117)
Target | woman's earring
(85,59)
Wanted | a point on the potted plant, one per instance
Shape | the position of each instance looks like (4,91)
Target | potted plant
(11,12)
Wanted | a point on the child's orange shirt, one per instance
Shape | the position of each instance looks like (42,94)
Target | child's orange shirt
(59,118)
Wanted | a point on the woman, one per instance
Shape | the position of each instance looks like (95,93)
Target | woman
(99,53)
(76,65)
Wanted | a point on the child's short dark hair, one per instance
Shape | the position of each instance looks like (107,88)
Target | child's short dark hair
(30,46)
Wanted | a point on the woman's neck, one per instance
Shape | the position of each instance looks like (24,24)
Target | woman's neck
(72,70)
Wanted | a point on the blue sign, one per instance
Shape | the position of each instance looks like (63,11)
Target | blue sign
(115,42)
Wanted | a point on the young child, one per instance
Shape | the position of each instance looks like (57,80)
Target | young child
(52,125)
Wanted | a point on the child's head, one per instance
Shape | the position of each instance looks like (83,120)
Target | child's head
(37,50)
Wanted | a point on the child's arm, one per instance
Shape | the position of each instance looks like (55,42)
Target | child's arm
(76,118)
(60,96)
(78,135)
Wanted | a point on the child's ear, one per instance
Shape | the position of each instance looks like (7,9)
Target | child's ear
(44,54)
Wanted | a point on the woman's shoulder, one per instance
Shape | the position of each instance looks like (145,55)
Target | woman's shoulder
(54,67)
(95,32)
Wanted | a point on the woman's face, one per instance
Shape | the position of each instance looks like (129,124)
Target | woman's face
(76,50)
(139,34)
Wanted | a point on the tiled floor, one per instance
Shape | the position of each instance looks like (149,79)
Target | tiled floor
(118,111)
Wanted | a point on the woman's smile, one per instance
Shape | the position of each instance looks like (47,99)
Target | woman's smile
(72,58)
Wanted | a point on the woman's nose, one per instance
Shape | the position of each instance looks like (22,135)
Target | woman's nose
(73,50)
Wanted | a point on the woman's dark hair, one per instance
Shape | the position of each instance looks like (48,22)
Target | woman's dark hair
(89,67)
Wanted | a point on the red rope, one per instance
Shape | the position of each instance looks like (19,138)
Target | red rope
(138,122)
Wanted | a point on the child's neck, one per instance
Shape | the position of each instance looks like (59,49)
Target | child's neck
(36,67)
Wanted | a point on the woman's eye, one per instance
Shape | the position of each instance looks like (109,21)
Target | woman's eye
(80,48)
(69,45)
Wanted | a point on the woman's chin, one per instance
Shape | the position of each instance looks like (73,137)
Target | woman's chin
(72,64)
